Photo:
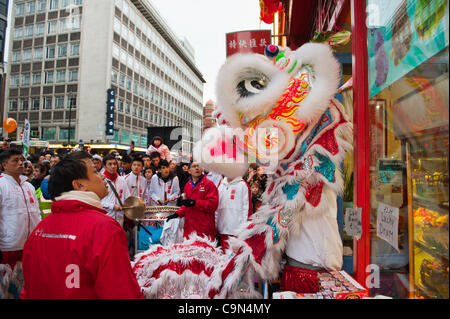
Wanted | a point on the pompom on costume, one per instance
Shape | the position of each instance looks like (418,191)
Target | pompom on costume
(279,111)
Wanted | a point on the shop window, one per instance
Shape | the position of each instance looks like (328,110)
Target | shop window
(49,133)
(64,134)
(125,138)
(409,145)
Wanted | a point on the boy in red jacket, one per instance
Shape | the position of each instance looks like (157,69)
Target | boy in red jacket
(199,204)
(78,251)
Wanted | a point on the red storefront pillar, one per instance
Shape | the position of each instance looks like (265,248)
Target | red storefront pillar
(361,140)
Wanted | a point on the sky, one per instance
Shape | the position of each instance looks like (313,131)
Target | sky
(204,24)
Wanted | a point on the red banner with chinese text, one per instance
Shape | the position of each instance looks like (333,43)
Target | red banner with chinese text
(248,41)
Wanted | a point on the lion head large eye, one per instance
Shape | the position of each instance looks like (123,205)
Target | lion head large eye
(249,87)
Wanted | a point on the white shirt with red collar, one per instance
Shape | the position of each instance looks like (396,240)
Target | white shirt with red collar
(19,212)
(136,184)
(110,200)
(235,206)
(160,190)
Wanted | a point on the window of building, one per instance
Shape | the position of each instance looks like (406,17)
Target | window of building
(77,2)
(114,76)
(40,29)
(62,50)
(24,105)
(51,27)
(28,32)
(76,22)
(18,33)
(120,106)
(129,83)
(135,110)
(59,102)
(20,9)
(13,105)
(41,5)
(73,75)
(64,134)
(64,4)
(25,80)
(48,103)
(38,53)
(35,104)
(30,7)
(49,75)
(49,133)
(50,52)
(37,78)
(27,55)
(63,25)
(60,76)
(75,49)
(14,80)
(71,101)
(54,4)
(122,80)
(127,108)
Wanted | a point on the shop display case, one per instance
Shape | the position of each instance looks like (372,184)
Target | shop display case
(429,203)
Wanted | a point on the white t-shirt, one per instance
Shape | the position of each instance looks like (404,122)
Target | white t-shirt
(318,242)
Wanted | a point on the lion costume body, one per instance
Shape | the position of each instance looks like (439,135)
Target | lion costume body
(279,111)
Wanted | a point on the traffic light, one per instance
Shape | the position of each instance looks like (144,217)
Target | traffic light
(110,107)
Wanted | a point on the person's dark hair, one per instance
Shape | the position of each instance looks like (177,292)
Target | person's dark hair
(163,163)
(63,174)
(148,168)
(190,163)
(127,159)
(80,155)
(138,159)
(157,138)
(108,158)
(154,155)
(43,167)
(6,155)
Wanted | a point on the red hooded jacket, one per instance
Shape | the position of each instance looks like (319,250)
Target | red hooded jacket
(78,252)
(201,217)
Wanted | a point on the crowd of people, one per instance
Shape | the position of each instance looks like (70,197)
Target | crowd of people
(210,204)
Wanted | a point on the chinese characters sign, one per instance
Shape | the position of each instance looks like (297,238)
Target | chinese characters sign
(248,41)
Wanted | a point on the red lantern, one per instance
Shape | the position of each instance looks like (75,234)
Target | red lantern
(268,9)
(9,125)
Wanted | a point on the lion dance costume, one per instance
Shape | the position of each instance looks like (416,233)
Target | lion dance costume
(279,111)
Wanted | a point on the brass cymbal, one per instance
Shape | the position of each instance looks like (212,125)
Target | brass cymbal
(134,207)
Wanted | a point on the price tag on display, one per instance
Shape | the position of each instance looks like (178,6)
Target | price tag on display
(352,222)
(387,224)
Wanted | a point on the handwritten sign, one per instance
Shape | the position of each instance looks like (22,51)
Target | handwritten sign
(352,222)
(387,224)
